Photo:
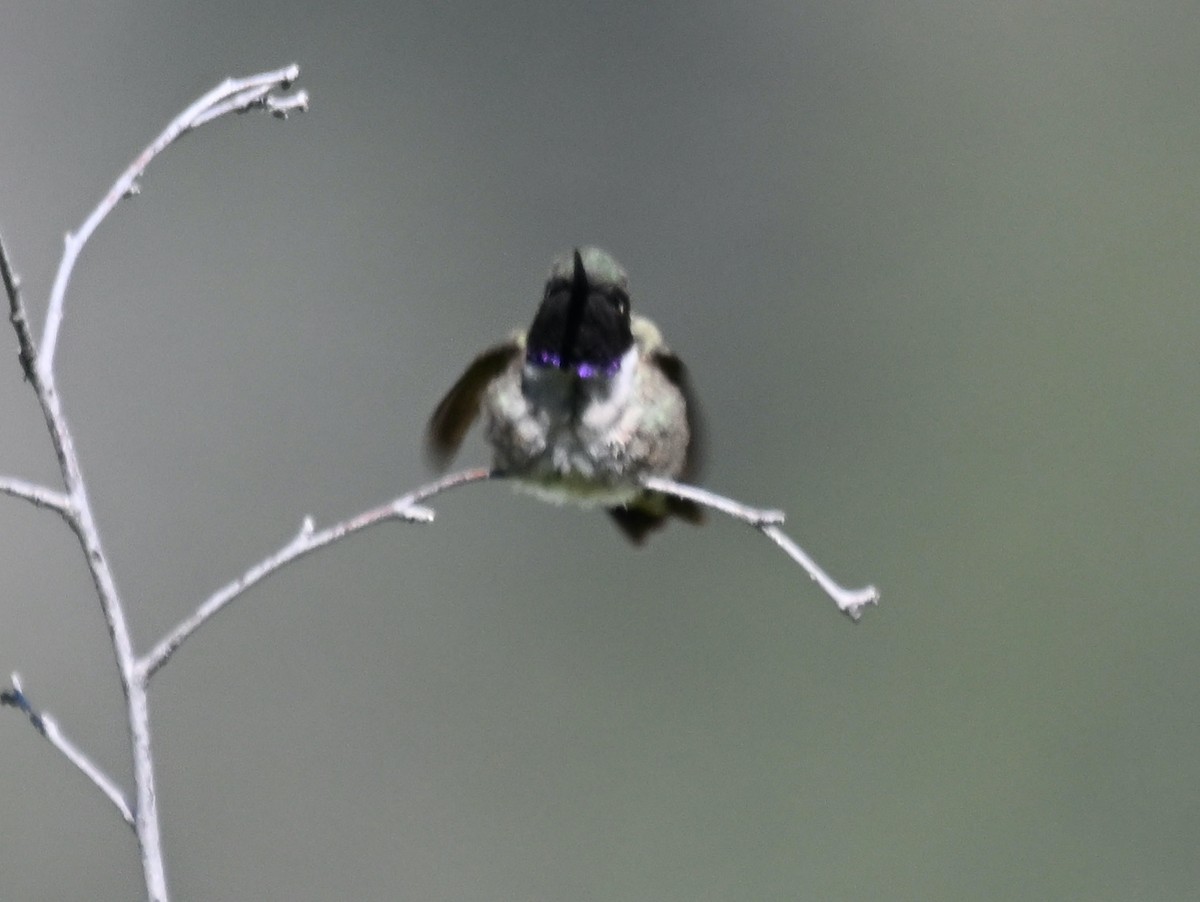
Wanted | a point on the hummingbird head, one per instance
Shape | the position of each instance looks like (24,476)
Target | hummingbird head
(582,325)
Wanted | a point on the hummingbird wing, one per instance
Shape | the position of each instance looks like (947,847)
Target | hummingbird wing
(651,510)
(457,411)
(649,339)
(672,367)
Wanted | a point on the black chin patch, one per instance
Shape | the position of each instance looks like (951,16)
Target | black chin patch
(589,343)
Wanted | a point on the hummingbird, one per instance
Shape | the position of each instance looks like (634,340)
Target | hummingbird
(585,404)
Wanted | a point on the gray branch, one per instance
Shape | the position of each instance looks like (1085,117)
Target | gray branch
(15,697)
(37,495)
(27,353)
(849,601)
(233,95)
(307,540)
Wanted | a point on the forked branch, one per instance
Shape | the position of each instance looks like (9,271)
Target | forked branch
(234,95)
(410,508)
(37,363)
(406,507)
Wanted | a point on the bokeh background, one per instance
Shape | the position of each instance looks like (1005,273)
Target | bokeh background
(934,267)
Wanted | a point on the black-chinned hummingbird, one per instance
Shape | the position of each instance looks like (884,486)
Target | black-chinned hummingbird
(585,404)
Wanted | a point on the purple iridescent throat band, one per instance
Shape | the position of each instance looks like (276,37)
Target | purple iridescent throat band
(583,370)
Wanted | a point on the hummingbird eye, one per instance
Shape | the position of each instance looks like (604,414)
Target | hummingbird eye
(620,300)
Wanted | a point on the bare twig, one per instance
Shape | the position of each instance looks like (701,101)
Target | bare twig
(751,515)
(233,95)
(15,697)
(12,287)
(849,601)
(307,540)
(408,507)
(75,507)
(257,97)
(37,495)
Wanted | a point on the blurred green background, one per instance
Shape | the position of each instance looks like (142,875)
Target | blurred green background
(933,266)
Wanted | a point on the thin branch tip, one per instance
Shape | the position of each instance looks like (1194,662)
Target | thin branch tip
(16,698)
(232,95)
(284,77)
(47,728)
(768,522)
(12,281)
(26,352)
(854,606)
(282,107)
